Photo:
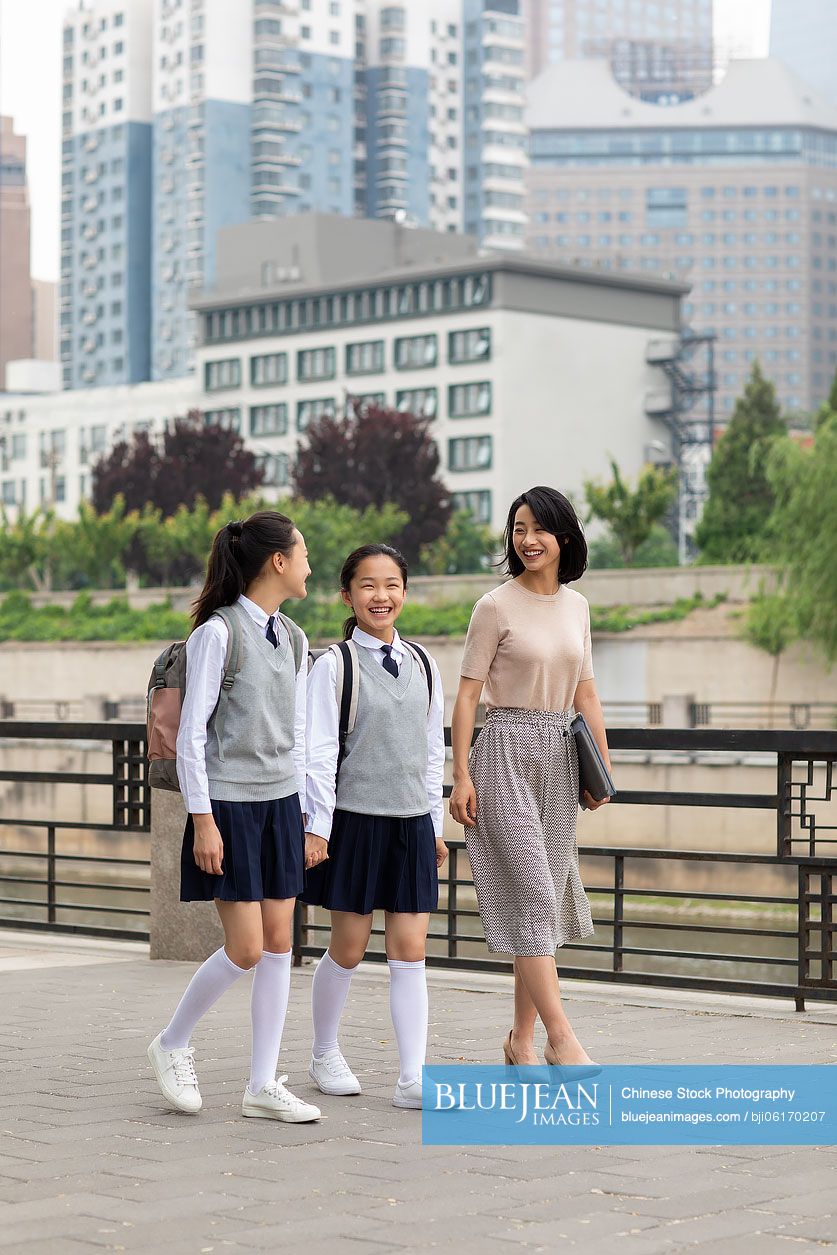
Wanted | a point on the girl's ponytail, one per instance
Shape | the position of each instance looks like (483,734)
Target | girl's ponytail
(239,552)
(349,626)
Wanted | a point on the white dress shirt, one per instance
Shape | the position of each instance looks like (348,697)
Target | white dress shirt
(206,652)
(323,738)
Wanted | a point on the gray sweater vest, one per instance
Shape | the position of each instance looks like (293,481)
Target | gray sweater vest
(253,760)
(384,771)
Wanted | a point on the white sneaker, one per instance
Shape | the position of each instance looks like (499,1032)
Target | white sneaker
(332,1074)
(274,1102)
(408,1093)
(175,1072)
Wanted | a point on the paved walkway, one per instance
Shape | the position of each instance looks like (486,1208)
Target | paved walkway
(90,1160)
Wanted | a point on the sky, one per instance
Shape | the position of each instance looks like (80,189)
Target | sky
(30,91)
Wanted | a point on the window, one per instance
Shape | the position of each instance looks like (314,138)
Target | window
(225,373)
(307,411)
(363,399)
(477,503)
(469,453)
(269,420)
(229,419)
(268,368)
(469,346)
(365,357)
(666,207)
(415,352)
(316,364)
(423,402)
(466,400)
(274,468)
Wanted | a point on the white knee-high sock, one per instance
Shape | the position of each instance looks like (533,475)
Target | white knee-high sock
(212,979)
(329,990)
(268,1005)
(408,1007)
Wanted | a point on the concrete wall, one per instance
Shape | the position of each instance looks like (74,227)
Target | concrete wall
(702,656)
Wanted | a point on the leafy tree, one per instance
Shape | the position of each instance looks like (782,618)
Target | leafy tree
(376,456)
(659,550)
(803,531)
(28,552)
(332,531)
(191,460)
(741,497)
(829,406)
(94,548)
(465,549)
(631,514)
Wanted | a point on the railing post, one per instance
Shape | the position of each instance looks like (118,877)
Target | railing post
(300,932)
(784,776)
(453,876)
(618,909)
(51,874)
(802,928)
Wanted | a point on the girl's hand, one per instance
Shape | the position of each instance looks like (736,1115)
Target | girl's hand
(592,804)
(441,851)
(463,803)
(208,848)
(316,850)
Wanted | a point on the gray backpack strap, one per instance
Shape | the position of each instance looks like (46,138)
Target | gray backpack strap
(297,639)
(423,660)
(232,666)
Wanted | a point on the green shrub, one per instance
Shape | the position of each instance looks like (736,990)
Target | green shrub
(321,620)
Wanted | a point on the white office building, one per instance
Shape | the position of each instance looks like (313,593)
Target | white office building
(527,370)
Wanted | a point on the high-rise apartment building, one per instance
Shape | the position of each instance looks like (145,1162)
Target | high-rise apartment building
(15,289)
(442,110)
(105,309)
(803,34)
(226,112)
(735,191)
(662,49)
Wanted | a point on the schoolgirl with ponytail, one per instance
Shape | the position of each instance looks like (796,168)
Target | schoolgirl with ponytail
(241,768)
(376,836)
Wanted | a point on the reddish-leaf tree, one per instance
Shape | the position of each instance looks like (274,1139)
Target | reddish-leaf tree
(192,460)
(375,456)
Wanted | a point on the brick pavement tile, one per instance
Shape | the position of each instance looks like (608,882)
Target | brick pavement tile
(822,1230)
(721,1225)
(813,1204)
(45,1229)
(57,1246)
(765,1244)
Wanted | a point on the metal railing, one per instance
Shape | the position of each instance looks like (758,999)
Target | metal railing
(678,918)
(800,852)
(38,862)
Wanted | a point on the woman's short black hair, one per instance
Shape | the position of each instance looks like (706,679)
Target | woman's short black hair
(555,514)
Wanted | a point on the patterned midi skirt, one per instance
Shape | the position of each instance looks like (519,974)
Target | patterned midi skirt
(523,851)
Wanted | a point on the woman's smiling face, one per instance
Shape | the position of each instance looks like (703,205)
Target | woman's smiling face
(537,548)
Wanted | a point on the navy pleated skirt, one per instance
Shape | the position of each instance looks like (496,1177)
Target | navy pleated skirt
(264,853)
(376,863)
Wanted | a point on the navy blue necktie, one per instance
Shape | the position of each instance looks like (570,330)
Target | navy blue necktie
(270,632)
(389,664)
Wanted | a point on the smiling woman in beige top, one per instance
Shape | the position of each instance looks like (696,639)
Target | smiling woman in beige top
(528,650)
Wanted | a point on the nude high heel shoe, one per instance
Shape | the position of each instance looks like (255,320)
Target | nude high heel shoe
(508,1053)
(579,1070)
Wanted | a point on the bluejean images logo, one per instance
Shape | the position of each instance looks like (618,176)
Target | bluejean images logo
(661,1104)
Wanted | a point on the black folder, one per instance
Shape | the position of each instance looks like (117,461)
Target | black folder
(593,775)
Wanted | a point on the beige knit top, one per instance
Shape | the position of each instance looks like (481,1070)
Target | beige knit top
(530,649)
